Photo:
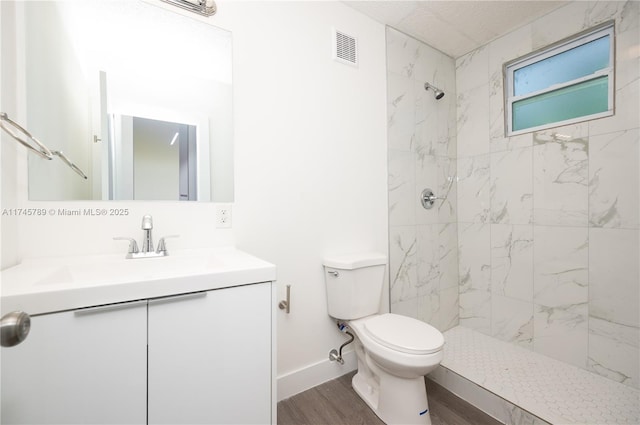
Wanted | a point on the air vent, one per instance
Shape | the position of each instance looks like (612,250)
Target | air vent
(345,48)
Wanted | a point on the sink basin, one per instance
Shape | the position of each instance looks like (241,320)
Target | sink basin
(39,286)
(113,271)
(56,276)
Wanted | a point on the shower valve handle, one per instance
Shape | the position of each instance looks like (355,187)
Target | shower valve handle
(428,198)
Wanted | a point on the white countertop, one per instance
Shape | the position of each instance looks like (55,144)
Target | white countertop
(39,286)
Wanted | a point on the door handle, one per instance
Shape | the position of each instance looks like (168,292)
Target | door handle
(14,328)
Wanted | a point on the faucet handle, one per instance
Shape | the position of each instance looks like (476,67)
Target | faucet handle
(133,245)
(147,222)
(162,246)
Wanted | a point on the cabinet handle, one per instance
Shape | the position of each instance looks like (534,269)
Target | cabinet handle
(107,308)
(177,298)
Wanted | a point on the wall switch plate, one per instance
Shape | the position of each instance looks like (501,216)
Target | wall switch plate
(223,216)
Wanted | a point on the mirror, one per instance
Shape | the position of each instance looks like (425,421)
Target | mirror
(97,70)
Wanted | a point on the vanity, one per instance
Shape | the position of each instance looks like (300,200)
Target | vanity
(187,338)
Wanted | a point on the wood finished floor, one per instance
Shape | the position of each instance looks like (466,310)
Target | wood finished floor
(336,403)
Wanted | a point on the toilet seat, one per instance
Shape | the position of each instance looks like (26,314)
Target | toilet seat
(403,334)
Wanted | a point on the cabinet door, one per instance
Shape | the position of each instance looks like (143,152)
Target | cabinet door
(83,367)
(210,357)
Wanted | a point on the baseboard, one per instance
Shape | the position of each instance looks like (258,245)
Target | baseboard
(313,375)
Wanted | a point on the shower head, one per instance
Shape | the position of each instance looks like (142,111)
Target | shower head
(437,93)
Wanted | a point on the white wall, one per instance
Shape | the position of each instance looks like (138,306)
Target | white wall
(310,140)
(9,90)
(310,167)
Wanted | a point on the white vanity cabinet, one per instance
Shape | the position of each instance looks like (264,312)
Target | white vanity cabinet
(184,339)
(79,367)
(203,357)
(210,357)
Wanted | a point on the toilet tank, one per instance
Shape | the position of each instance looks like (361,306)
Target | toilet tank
(354,284)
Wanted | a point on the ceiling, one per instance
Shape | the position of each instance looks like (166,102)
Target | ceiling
(455,27)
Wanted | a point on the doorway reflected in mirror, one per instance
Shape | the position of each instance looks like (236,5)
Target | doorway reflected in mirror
(153,160)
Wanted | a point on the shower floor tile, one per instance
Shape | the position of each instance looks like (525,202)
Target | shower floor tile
(554,391)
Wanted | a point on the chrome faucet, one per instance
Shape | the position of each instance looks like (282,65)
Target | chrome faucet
(147,242)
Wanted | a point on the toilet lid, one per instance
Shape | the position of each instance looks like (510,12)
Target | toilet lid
(404,334)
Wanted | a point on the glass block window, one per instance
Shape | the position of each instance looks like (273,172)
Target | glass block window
(567,82)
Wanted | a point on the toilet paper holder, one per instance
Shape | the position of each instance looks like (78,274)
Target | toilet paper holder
(286,304)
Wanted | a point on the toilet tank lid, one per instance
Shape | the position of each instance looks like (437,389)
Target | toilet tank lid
(355,261)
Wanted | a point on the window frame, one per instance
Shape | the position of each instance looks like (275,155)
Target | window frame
(584,37)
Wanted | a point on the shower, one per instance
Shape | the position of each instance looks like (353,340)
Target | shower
(437,93)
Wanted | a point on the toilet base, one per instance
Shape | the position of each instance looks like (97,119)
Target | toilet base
(394,400)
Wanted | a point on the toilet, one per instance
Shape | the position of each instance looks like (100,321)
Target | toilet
(394,352)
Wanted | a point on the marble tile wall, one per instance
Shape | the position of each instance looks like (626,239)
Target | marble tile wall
(548,222)
(423,254)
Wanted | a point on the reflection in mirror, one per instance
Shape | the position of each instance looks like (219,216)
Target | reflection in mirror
(153,160)
(90,66)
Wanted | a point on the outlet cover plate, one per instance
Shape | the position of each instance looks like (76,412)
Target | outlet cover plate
(223,216)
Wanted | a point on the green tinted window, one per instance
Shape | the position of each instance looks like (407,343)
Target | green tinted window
(587,98)
(569,82)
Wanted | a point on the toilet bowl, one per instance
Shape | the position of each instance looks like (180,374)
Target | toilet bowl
(394,352)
